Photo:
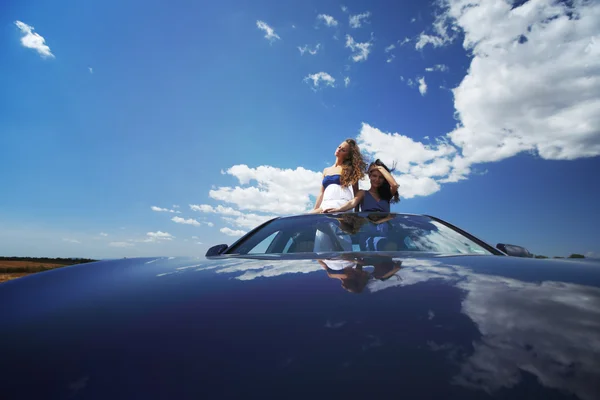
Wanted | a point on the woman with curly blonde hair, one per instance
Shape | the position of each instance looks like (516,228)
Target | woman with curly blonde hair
(340,181)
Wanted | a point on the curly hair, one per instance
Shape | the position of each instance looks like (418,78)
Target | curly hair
(354,167)
(385,191)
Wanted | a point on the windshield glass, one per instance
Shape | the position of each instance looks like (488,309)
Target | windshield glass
(356,232)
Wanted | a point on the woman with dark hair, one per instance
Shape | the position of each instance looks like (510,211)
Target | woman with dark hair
(340,181)
(383,191)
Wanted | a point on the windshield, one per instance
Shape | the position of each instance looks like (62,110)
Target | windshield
(356,232)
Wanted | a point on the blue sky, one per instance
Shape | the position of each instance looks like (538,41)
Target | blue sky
(230,110)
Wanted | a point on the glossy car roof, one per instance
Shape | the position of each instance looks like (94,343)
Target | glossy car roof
(439,327)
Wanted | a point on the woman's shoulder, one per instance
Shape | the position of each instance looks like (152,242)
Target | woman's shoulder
(331,171)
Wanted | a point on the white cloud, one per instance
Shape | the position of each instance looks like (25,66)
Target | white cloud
(361,50)
(344,8)
(235,217)
(103,234)
(390,58)
(259,269)
(33,40)
(231,232)
(270,34)
(215,210)
(425,39)
(194,237)
(175,206)
(413,20)
(422,86)
(319,77)
(444,30)
(327,19)
(390,48)
(406,152)
(91,70)
(190,221)
(307,49)
(121,244)
(437,67)
(404,41)
(347,81)
(158,235)
(249,221)
(355,21)
(277,191)
(210,224)
(158,209)
(71,240)
(533,82)
(420,168)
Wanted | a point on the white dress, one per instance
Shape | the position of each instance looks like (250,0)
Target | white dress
(335,195)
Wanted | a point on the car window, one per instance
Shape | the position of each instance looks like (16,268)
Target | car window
(356,232)
(262,247)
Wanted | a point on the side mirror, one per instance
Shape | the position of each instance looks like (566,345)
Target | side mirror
(514,250)
(216,250)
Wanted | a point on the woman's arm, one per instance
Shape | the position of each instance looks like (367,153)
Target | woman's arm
(355,190)
(350,204)
(319,197)
(388,177)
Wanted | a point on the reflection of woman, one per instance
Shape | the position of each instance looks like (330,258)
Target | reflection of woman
(351,273)
(340,181)
(384,268)
(383,191)
(353,279)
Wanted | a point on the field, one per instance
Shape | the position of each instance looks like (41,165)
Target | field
(16,267)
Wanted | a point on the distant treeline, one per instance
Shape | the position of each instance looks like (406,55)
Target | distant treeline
(62,261)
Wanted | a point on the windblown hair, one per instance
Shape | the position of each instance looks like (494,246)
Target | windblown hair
(385,190)
(354,166)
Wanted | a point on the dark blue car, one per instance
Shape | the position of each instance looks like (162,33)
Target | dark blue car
(371,306)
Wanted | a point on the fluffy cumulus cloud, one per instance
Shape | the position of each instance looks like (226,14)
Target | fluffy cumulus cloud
(327,20)
(33,40)
(270,34)
(320,78)
(401,149)
(270,190)
(419,167)
(534,79)
(360,51)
